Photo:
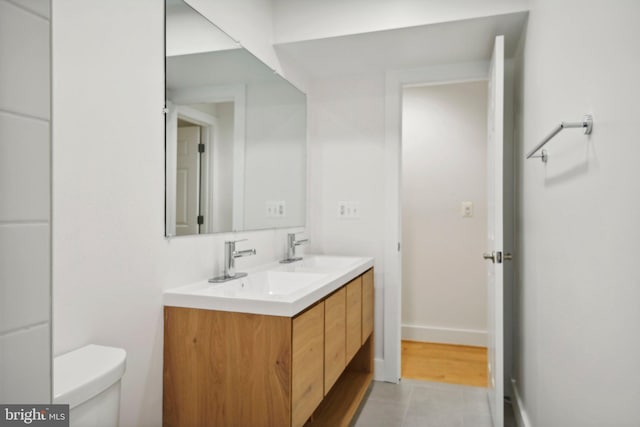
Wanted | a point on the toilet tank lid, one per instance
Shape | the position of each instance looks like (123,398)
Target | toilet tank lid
(83,373)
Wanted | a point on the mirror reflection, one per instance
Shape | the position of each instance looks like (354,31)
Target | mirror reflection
(235,134)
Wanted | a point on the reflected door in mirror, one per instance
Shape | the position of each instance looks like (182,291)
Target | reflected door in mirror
(188,181)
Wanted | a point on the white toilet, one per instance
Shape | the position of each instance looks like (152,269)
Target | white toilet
(88,379)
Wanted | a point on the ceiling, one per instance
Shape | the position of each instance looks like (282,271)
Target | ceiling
(467,40)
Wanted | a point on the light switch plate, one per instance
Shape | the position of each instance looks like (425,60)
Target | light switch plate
(275,208)
(467,209)
(348,209)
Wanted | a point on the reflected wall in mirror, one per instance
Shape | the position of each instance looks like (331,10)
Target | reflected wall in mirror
(235,134)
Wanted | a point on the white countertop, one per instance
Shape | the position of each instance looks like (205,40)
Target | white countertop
(273,289)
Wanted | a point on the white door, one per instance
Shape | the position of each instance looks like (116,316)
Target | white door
(187,180)
(494,253)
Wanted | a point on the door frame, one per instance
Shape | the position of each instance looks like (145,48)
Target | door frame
(392,265)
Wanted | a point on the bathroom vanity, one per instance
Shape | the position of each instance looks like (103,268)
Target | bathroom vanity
(270,349)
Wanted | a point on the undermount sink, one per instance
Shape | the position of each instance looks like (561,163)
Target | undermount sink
(265,283)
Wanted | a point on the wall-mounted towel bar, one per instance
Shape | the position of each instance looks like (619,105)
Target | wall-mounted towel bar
(586,123)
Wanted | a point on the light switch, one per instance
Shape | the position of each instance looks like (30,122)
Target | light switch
(467,209)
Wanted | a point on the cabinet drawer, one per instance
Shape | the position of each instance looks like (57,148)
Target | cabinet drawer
(367,304)
(354,317)
(307,364)
(334,337)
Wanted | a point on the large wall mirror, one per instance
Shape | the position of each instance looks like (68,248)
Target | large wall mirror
(235,134)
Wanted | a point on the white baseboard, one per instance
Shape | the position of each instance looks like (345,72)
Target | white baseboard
(378,369)
(522,419)
(445,335)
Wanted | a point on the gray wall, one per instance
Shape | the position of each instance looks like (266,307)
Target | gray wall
(25,202)
(577,314)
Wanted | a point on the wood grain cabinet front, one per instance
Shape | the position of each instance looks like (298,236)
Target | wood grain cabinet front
(307,367)
(334,337)
(367,305)
(354,317)
(226,369)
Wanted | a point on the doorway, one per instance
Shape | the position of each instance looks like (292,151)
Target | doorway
(444,228)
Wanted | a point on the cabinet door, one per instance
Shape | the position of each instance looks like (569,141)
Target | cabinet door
(226,369)
(354,317)
(307,364)
(334,337)
(367,304)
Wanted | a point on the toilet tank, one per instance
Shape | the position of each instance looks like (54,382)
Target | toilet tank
(88,380)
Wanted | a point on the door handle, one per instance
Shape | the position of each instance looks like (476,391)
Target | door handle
(490,255)
(497,257)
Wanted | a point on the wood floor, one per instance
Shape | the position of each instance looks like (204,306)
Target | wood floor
(455,364)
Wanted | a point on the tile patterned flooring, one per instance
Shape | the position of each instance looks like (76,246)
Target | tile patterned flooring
(414,403)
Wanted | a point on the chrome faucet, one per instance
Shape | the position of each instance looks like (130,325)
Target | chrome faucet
(291,248)
(230,255)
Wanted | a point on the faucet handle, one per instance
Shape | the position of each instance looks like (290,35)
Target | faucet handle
(293,241)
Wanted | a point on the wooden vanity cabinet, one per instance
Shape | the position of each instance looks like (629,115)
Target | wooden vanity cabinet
(238,369)
(334,337)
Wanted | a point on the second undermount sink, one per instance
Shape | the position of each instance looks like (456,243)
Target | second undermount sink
(265,283)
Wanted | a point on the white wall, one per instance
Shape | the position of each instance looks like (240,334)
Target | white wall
(110,259)
(275,154)
(248,22)
(444,161)
(188,32)
(577,312)
(25,202)
(346,139)
(296,20)
(251,24)
(223,168)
